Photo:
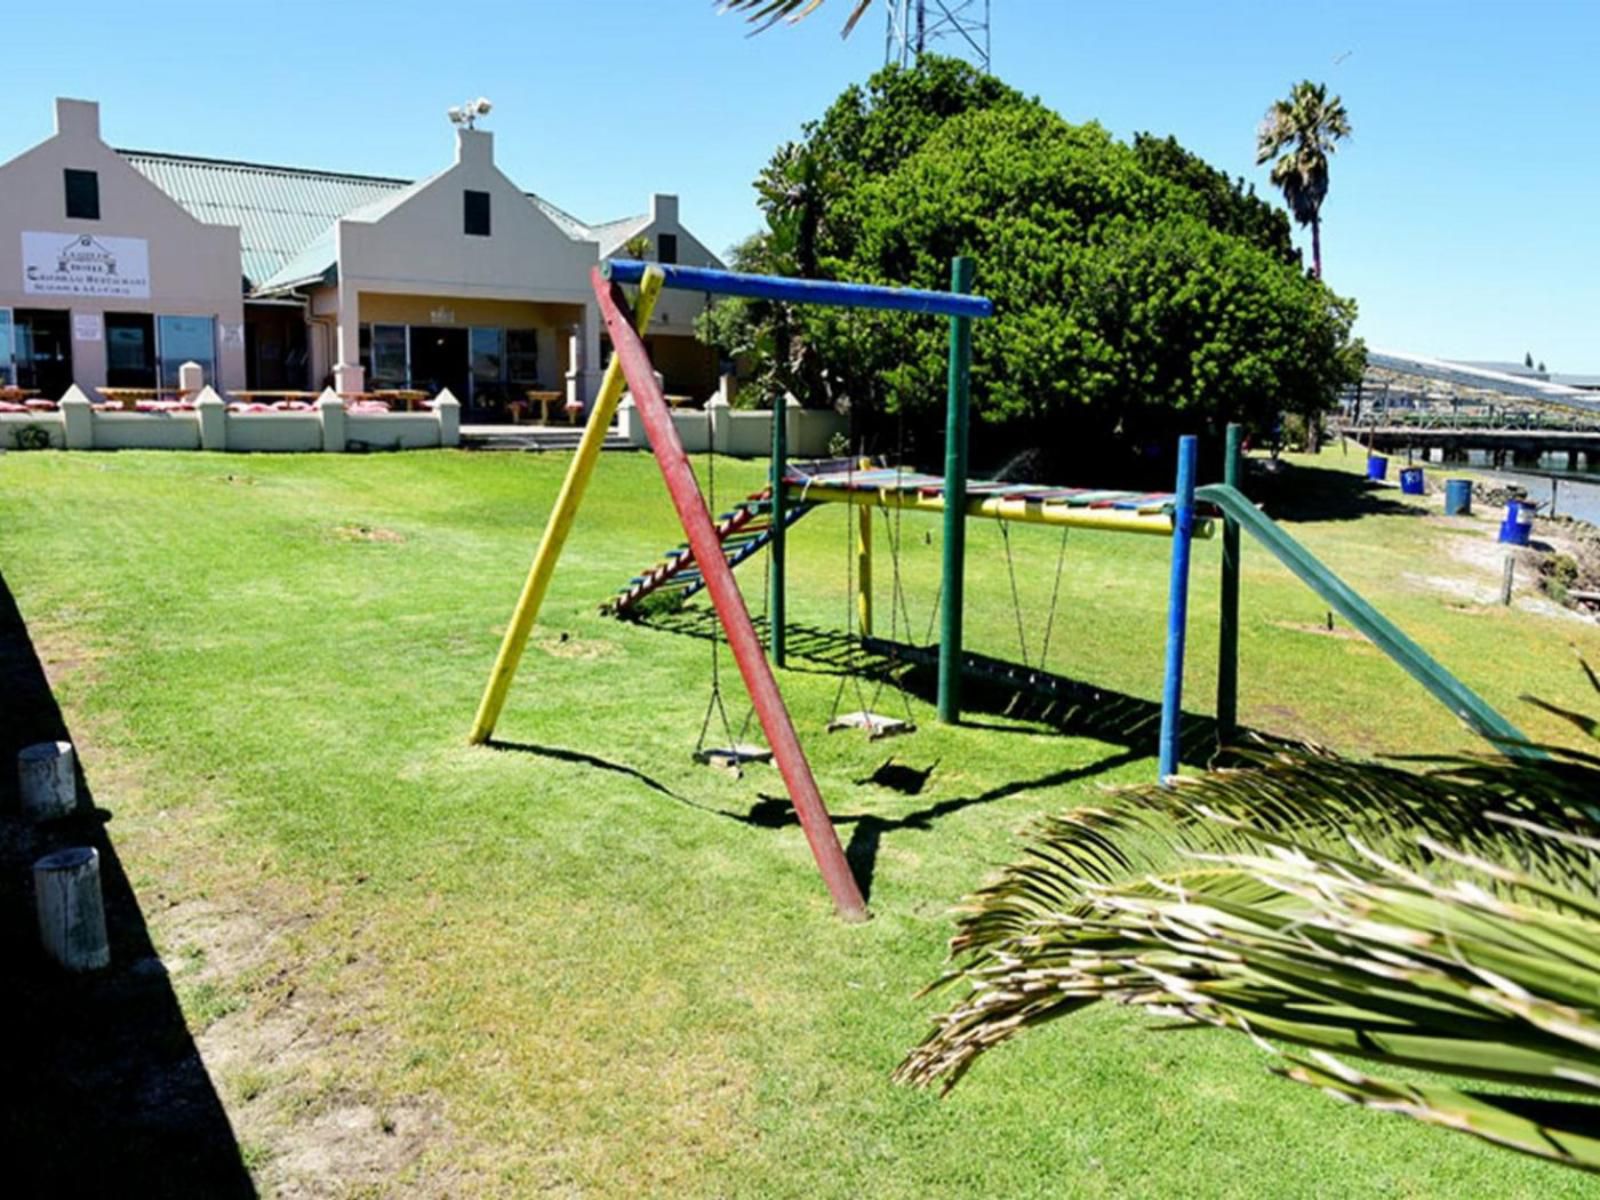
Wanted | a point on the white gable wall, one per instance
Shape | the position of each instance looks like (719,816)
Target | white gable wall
(420,247)
(193,267)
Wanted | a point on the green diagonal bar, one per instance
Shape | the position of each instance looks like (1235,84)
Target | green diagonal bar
(1377,628)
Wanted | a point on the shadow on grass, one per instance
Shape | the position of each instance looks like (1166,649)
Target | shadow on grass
(106,1091)
(1304,493)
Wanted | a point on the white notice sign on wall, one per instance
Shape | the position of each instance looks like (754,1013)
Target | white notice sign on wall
(88,327)
(85,264)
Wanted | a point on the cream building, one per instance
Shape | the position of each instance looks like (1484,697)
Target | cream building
(294,278)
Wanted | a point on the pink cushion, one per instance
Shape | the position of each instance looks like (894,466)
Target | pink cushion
(8,406)
(41,405)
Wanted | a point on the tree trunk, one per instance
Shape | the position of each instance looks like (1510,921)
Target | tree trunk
(1316,247)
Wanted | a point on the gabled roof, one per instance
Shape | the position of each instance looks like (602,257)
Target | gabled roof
(280,211)
(286,215)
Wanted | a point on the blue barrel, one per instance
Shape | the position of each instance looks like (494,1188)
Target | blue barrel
(1457,497)
(1517,528)
(1377,466)
(1411,481)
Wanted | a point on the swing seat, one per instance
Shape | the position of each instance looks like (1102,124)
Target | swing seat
(732,758)
(877,725)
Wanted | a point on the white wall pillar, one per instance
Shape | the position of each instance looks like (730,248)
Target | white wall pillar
(448,411)
(349,379)
(330,408)
(212,414)
(77,419)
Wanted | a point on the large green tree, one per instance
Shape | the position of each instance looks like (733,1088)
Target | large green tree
(1296,137)
(1138,291)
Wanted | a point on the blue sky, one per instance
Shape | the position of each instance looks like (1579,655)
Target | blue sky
(1462,216)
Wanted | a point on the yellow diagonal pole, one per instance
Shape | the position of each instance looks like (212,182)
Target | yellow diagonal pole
(559,525)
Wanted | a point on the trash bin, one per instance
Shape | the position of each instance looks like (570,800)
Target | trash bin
(1457,497)
(1517,528)
(1411,481)
(1377,466)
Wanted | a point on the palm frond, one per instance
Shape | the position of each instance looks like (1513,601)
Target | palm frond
(1443,919)
(766,13)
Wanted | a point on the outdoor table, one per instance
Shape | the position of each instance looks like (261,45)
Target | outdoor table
(544,400)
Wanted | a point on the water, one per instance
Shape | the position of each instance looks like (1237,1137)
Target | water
(1576,493)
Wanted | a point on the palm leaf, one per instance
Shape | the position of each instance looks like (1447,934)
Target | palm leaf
(766,13)
(1443,919)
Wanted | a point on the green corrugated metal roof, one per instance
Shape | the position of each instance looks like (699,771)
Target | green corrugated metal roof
(285,215)
(280,211)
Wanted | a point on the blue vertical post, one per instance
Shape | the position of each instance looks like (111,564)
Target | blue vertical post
(955,498)
(776,618)
(1177,606)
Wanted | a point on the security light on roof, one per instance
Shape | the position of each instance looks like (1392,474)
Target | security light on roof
(467,114)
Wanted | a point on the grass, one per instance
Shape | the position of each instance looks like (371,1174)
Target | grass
(577,947)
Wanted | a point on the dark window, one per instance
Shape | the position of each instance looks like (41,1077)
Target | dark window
(477,214)
(130,350)
(83,195)
(667,247)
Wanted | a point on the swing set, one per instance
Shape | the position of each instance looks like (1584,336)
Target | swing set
(714,548)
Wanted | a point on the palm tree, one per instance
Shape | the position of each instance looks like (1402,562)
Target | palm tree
(1300,133)
(1445,918)
(769,12)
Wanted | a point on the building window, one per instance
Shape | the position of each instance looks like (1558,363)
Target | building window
(667,247)
(391,364)
(130,350)
(486,349)
(83,195)
(185,339)
(8,371)
(522,357)
(476,212)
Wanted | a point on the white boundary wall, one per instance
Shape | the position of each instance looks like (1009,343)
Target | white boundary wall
(77,425)
(739,433)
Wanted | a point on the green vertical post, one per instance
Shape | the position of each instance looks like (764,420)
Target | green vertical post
(1228,625)
(780,459)
(955,499)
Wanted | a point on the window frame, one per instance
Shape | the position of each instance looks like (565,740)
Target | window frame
(405,341)
(162,356)
(8,348)
(468,213)
(663,255)
(83,178)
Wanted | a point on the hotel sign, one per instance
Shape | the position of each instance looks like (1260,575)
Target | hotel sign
(85,264)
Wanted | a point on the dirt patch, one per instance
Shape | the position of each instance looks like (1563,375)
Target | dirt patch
(368,533)
(1338,631)
(563,645)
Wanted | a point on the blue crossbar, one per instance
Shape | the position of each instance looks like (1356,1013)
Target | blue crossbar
(803,291)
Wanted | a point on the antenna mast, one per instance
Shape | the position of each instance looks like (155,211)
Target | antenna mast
(916,25)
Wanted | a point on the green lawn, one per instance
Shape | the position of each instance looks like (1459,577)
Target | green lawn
(572,965)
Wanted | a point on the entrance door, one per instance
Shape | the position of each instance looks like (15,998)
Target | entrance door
(439,361)
(44,350)
(130,350)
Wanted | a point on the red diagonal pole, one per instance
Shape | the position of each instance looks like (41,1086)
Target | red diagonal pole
(729,603)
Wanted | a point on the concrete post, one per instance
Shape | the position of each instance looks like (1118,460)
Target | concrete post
(717,411)
(46,780)
(191,378)
(212,414)
(77,419)
(72,913)
(349,379)
(448,411)
(574,380)
(330,408)
(630,425)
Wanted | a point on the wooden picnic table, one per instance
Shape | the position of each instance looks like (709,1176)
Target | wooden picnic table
(274,395)
(534,396)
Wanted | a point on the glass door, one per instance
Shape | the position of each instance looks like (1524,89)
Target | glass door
(43,350)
